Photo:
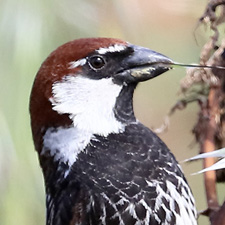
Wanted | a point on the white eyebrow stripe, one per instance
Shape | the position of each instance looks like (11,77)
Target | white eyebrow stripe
(75,64)
(112,48)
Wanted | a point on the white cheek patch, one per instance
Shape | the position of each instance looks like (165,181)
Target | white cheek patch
(112,48)
(90,103)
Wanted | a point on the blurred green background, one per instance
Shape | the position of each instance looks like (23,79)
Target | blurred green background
(30,30)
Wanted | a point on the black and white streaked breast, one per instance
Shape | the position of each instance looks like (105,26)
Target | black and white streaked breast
(128,178)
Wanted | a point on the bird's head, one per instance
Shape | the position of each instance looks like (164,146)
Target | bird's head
(89,84)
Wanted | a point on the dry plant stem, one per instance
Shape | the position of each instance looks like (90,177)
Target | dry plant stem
(208,145)
(210,130)
(209,133)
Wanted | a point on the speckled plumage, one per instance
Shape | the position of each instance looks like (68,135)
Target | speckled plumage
(122,179)
(100,165)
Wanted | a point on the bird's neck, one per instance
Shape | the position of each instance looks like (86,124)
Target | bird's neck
(61,145)
(123,109)
(99,106)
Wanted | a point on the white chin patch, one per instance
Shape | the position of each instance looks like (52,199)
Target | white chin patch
(90,103)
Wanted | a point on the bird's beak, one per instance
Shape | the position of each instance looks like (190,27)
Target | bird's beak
(143,64)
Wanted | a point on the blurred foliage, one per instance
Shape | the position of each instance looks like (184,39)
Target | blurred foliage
(30,30)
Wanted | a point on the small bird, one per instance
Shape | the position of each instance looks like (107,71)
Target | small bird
(101,166)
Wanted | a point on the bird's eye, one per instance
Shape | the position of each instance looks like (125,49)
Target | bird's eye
(97,62)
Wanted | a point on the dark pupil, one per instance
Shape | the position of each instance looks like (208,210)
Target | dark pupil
(97,62)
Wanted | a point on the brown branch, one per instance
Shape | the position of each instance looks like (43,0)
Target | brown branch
(207,137)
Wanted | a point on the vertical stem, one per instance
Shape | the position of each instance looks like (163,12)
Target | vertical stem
(208,145)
